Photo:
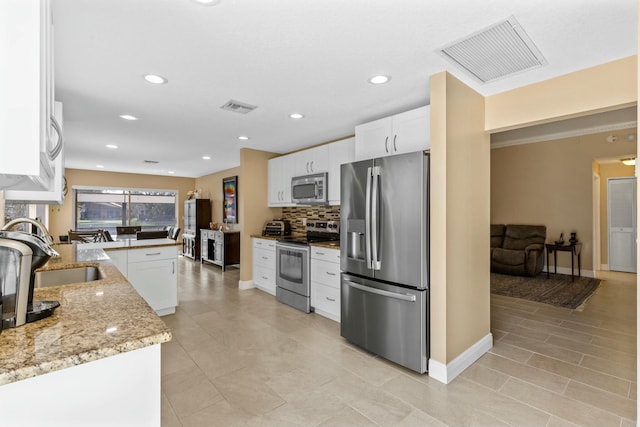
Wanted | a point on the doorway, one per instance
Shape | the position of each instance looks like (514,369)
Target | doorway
(621,208)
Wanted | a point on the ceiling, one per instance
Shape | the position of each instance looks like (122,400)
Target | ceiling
(308,56)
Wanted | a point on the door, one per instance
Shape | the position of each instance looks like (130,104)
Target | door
(401,221)
(621,208)
(389,321)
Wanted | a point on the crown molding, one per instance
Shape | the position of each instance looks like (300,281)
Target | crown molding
(566,134)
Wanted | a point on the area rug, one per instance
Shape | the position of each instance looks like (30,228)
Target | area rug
(557,290)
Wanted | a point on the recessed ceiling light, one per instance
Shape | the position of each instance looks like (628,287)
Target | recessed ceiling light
(112,146)
(171,172)
(206,157)
(100,166)
(128,117)
(155,79)
(208,2)
(243,137)
(296,116)
(379,80)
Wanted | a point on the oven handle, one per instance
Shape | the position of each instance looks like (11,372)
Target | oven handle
(293,246)
(388,294)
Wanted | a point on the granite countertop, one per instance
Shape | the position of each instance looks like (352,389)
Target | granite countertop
(127,244)
(334,244)
(95,320)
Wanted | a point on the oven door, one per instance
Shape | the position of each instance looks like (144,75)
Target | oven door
(292,268)
(292,275)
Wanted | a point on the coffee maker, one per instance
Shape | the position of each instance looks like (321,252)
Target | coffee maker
(21,253)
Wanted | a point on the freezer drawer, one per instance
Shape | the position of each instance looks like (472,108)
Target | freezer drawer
(390,321)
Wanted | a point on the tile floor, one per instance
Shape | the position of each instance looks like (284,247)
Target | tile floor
(240,358)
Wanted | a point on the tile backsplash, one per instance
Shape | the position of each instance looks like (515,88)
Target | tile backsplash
(295,214)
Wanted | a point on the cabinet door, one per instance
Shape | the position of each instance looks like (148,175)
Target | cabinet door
(340,152)
(156,282)
(373,139)
(411,130)
(313,160)
(204,243)
(281,169)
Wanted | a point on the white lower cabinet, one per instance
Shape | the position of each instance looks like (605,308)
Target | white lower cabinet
(264,265)
(325,282)
(153,273)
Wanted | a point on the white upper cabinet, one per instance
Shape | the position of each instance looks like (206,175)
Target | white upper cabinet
(402,133)
(313,160)
(30,139)
(281,170)
(340,152)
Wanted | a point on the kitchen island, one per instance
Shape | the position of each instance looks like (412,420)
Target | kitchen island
(95,361)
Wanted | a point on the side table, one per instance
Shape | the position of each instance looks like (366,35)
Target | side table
(555,248)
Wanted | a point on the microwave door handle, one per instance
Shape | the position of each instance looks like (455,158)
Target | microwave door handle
(367,220)
(375,202)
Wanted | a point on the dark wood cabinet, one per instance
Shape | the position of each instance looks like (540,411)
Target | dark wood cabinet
(220,248)
(197,215)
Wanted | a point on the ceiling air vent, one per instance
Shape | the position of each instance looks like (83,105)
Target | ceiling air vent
(238,107)
(495,52)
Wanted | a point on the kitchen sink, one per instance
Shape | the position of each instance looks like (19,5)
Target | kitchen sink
(66,276)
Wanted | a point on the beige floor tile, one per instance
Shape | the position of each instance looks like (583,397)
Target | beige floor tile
(189,391)
(581,374)
(168,417)
(544,379)
(600,399)
(244,392)
(559,406)
(240,358)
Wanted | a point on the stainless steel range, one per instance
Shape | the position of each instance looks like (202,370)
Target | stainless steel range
(292,263)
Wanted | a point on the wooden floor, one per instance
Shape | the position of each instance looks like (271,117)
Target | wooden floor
(241,358)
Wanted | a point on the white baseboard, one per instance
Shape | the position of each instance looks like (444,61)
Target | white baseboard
(567,271)
(604,267)
(446,373)
(245,284)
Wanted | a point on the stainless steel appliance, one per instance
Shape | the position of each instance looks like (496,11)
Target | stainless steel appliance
(310,189)
(293,256)
(384,257)
(276,227)
(21,253)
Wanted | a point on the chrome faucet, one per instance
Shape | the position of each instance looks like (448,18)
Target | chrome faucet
(40,226)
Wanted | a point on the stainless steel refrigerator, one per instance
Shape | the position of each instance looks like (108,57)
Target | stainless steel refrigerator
(384,257)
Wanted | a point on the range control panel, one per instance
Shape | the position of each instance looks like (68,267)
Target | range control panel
(316,225)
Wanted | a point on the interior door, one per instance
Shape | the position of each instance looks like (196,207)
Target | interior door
(621,207)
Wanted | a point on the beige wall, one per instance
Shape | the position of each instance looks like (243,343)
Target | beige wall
(252,203)
(61,217)
(600,88)
(211,186)
(609,170)
(551,183)
(459,226)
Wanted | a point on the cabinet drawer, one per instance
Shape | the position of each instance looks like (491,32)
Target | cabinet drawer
(264,258)
(326,300)
(265,244)
(265,278)
(150,254)
(325,254)
(327,273)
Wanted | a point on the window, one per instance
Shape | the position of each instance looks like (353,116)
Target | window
(14,210)
(108,208)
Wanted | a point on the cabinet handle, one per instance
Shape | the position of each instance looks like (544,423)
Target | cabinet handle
(386,144)
(264,257)
(331,274)
(394,143)
(173,267)
(153,254)
(265,278)
(311,165)
(320,253)
(331,299)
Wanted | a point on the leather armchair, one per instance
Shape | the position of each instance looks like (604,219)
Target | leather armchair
(521,251)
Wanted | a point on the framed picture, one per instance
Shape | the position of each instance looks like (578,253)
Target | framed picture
(230,200)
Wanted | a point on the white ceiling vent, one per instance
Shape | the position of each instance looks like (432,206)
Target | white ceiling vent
(238,107)
(495,52)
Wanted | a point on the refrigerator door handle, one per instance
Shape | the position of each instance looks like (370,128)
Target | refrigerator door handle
(375,201)
(367,220)
(403,297)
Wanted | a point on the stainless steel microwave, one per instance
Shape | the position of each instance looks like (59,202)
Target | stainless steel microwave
(310,189)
